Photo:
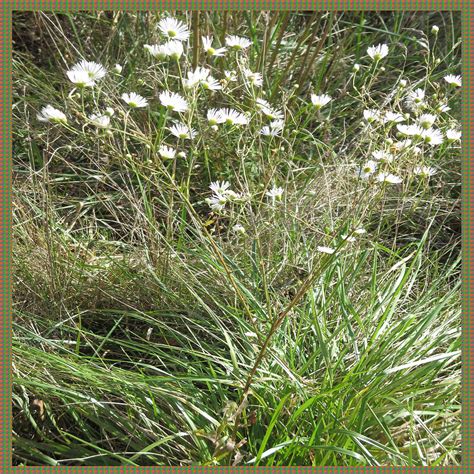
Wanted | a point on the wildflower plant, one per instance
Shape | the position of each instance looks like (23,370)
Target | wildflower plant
(235,243)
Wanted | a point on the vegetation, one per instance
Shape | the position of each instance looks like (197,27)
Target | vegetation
(261,270)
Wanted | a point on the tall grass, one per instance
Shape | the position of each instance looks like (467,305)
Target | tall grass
(150,330)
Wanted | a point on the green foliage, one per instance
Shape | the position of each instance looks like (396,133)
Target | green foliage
(150,330)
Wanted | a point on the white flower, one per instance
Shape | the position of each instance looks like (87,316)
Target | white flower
(109,111)
(367,169)
(268,110)
(173,101)
(94,71)
(410,130)
(356,67)
(156,50)
(232,117)
(237,42)
(134,100)
(415,99)
(273,129)
(425,171)
(180,130)
(388,178)
(360,231)
(214,117)
(230,76)
(426,120)
(349,238)
(442,107)
(174,29)
(80,78)
(219,187)
(393,117)
(211,84)
(327,250)
(453,134)
(453,80)
(217,202)
(207,46)
(50,114)
(254,78)
(100,121)
(402,144)
(432,137)
(239,229)
(173,49)
(320,101)
(167,152)
(275,193)
(371,115)
(196,77)
(118,68)
(384,156)
(378,52)
(434,29)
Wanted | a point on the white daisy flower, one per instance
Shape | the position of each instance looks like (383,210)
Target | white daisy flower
(378,52)
(134,100)
(453,80)
(383,156)
(328,250)
(432,137)
(211,84)
(254,78)
(426,120)
(410,130)
(273,129)
(109,111)
(219,187)
(95,71)
(196,77)
(415,99)
(402,144)
(453,135)
(237,42)
(207,46)
(167,152)
(173,49)
(174,29)
(232,117)
(51,114)
(99,120)
(214,117)
(388,178)
(80,78)
(173,101)
(118,68)
(371,115)
(180,130)
(217,202)
(424,171)
(275,193)
(442,107)
(268,110)
(157,50)
(319,101)
(393,117)
(349,238)
(239,229)
(367,169)
(230,76)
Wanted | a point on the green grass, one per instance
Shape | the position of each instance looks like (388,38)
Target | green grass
(148,332)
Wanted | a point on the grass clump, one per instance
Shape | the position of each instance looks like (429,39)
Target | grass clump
(236,238)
